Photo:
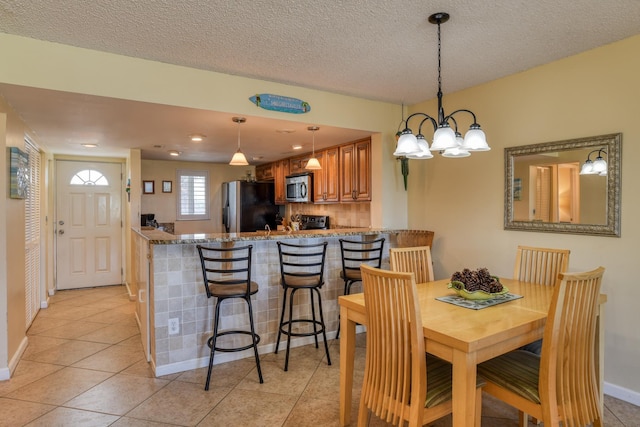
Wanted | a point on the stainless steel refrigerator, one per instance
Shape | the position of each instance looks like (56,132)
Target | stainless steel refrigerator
(248,206)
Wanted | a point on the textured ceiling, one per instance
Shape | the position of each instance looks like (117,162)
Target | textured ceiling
(383,50)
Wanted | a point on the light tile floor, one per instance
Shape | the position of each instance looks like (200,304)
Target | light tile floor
(84,366)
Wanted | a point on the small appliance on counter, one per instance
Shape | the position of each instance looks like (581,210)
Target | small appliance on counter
(148,220)
(314,222)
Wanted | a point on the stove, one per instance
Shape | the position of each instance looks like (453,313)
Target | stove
(314,222)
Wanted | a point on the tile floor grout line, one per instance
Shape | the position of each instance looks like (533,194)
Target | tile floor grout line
(120,316)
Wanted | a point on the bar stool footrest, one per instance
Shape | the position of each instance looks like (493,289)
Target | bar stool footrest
(256,340)
(285,330)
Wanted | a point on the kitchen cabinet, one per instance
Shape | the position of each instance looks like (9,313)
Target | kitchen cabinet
(325,180)
(280,171)
(297,164)
(265,172)
(355,171)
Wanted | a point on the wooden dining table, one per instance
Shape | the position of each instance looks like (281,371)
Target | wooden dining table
(465,337)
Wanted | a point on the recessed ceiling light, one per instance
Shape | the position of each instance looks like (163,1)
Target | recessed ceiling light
(296,147)
(285,130)
(196,137)
(174,153)
(90,145)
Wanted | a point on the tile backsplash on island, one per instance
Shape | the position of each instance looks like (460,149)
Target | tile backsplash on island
(356,215)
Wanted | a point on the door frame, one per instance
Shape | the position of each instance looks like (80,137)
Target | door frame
(52,212)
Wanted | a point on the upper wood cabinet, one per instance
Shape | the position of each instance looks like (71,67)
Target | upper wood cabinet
(345,175)
(297,164)
(325,180)
(265,172)
(355,171)
(281,170)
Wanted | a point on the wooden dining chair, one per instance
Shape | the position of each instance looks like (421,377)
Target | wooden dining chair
(415,260)
(559,386)
(540,265)
(400,383)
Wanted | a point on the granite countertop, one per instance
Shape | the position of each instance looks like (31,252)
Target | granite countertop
(158,237)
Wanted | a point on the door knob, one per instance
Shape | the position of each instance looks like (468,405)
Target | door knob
(61,222)
(61,232)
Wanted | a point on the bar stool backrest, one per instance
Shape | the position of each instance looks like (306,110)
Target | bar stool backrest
(356,252)
(226,267)
(302,264)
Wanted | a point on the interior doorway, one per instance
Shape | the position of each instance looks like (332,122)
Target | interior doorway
(556,193)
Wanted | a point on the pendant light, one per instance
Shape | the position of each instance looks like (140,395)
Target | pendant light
(313,163)
(238,158)
(446,140)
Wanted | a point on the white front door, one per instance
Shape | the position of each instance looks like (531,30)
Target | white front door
(88,224)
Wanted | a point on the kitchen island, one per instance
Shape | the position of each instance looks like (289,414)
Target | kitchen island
(169,286)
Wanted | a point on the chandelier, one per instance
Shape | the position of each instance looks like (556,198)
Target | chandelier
(447,140)
(597,167)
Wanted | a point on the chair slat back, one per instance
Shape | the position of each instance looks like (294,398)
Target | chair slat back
(568,365)
(540,265)
(395,381)
(225,266)
(415,260)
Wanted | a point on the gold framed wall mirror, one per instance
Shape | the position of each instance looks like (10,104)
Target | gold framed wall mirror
(545,190)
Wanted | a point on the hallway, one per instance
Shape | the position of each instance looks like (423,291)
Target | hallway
(84,366)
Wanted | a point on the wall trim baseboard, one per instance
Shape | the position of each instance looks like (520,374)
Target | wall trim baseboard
(622,393)
(5,373)
(132,297)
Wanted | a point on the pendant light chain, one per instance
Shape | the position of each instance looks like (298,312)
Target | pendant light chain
(439,61)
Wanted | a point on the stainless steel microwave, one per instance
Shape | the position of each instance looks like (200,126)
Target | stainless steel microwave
(299,188)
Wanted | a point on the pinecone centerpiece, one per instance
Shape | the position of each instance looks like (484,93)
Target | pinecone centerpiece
(476,284)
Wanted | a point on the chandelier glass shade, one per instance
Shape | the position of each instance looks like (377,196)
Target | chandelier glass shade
(446,139)
(238,158)
(313,163)
(597,167)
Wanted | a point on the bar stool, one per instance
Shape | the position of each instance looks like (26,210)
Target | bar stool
(226,273)
(354,253)
(301,267)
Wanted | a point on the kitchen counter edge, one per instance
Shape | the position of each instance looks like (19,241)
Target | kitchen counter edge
(158,237)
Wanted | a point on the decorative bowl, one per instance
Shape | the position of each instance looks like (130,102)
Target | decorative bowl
(458,287)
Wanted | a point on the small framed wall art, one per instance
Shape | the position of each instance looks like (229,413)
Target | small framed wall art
(517,189)
(19,173)
(166,186)
(147,187)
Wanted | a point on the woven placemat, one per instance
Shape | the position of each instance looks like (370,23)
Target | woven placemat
(478,304)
